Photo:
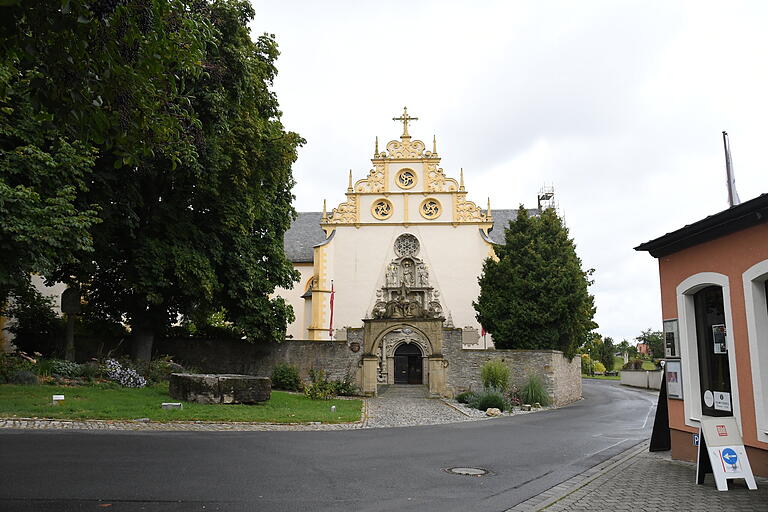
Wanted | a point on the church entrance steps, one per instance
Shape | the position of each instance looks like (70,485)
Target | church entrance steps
(402,391)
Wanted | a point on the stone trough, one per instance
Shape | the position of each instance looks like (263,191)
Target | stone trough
(206,388)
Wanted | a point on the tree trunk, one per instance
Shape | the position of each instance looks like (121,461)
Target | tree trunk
(69,347)
(141,347)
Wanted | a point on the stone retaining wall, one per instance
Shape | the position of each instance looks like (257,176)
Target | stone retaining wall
(561,377)
(237,356)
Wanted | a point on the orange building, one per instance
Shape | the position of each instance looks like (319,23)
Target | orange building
(714,288)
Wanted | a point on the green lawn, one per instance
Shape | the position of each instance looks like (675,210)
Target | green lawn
(93,402)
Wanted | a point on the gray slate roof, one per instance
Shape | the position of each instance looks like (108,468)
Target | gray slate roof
(501,220)
(305,233)
(302,236)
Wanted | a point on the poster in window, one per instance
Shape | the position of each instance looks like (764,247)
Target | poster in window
(674,377)
(719,336)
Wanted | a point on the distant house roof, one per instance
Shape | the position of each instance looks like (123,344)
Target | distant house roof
(742,216)
(305,233)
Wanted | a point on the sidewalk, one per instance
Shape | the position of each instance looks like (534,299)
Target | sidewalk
(640,481)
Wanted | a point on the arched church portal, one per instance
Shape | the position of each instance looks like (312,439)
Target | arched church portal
(409,364)
(403,357)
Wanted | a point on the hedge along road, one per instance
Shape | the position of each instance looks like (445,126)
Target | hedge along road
(354,470)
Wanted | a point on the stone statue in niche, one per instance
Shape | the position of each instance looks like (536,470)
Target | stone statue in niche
(423,273)
(392,275)
(408,273)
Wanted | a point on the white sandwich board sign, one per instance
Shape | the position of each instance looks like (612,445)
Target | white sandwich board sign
(722,453)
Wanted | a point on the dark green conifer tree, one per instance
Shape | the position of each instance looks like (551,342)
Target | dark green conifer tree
(536,295)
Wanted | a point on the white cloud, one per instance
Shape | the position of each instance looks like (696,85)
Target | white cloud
(619,104)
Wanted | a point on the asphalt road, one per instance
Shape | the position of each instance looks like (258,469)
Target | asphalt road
(359,470)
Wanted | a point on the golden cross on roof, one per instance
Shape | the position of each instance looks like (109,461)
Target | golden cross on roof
(405,118)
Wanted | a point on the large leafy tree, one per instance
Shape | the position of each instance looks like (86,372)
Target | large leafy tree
(191,177)
(83,84)
(535,296)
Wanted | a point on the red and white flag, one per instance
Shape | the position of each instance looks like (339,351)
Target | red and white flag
(330,326)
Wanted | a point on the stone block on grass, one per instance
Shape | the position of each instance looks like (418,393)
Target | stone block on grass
(220,389)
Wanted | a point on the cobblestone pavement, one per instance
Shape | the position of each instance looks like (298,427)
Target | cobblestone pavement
(404,406)
(640,481)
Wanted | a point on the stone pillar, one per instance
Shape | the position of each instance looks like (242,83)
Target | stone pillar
(437,376)
(391,370)
(369,375)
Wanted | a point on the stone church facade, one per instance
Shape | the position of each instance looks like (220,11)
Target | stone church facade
(401,257)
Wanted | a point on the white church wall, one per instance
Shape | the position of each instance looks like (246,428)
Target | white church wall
(298,329)
(357,258)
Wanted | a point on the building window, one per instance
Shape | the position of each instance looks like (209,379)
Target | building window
(430,208)
(406,179)
(382,209)
(756,302)
(695,327)
(712,349)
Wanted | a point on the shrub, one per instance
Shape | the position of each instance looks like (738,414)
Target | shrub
(90,370)
(68,369)
(319,388)
(495,374)
(587,366)
(599,367)
(37,327)
(12,363)
(487,398)
(126,377)
(345,387)
(635,364)
(513,397)
(156,370)
(465,397)
(534,391)
(25,377)
(285,376)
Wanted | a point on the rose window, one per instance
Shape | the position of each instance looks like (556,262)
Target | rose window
(406,178)
(430,208)
(406,245)
(381,209)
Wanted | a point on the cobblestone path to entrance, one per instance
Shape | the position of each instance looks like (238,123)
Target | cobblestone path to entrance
(402,405)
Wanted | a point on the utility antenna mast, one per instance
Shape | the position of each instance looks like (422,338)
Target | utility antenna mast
(546,198)
(733,196)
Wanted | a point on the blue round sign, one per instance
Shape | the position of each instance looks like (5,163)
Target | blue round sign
(729,456)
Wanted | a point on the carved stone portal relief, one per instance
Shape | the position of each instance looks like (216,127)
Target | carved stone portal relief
(407,292)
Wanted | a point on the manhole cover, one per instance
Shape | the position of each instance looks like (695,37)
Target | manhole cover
(468,471)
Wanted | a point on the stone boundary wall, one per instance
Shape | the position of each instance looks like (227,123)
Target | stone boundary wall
(561,377)
(237,356)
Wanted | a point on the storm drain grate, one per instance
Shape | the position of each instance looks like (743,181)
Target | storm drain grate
(467,471)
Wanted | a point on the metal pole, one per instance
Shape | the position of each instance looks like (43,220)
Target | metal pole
(728,169)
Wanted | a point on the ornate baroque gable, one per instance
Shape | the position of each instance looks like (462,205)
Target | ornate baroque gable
(423,175)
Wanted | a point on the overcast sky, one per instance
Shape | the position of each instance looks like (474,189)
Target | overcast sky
(619,105)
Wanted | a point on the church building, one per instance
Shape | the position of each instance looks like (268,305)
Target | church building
(395,264)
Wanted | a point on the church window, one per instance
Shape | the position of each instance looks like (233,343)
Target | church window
(430,208)
(382,209)
(406,245)
(406,179)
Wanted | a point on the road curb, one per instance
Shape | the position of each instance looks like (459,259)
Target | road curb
(564,489)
